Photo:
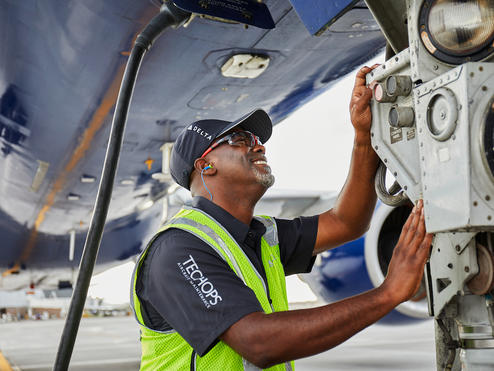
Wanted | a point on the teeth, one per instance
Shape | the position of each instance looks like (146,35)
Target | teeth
(260,162)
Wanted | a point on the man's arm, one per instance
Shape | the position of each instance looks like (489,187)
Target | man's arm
(269,339)
(351,215)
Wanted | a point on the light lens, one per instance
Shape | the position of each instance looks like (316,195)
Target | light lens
(461,27)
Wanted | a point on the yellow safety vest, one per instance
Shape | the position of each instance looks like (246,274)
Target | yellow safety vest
(167,350)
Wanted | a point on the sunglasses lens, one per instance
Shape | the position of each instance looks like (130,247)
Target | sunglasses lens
(242,138)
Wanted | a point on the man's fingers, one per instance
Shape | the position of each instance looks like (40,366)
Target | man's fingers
(360,97)
(427,241)
(406,226)
(420,232)
(424,249)
(360,77)
(412,228)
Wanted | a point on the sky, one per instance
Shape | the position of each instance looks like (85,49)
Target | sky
(310,150)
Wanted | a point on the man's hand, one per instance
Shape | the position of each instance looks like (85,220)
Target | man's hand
(409,257)
(360,112)
(269,339)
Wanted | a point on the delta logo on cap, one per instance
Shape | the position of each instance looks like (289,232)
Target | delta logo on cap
(199,131)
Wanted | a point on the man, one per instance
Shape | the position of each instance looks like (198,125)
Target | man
(209,290)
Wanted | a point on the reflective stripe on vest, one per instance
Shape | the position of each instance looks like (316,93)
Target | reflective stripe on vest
(211,232)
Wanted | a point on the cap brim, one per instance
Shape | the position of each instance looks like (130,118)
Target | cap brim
(257,122)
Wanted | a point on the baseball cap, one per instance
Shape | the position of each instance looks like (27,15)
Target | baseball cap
(198,136)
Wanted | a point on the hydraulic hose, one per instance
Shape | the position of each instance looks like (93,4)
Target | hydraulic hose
(169,15)
(390,197)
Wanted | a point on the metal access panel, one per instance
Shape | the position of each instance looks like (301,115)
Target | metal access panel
(317,15)
(396,145)
(455,144)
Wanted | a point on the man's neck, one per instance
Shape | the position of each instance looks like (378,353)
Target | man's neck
(238,204)
(241,209)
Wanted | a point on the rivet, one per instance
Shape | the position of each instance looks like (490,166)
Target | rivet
(489,217)
(457,247)
(487,198)
(475,203)
(467,269)
(435,67)
(450,266)
(484,88)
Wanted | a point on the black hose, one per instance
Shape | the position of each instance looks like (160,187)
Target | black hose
(390,197)
(169,15)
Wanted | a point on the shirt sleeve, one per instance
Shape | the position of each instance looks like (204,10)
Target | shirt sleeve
(297,238)
(194,289)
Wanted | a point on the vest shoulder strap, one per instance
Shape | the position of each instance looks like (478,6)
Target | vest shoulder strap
(271,235)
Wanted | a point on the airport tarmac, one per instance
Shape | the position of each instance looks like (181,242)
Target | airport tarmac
(112,343)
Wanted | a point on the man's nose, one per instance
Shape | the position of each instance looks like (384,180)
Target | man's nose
(259,148)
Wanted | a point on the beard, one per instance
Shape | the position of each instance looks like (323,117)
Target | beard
(266,179)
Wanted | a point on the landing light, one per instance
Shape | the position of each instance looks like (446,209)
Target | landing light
(456,31)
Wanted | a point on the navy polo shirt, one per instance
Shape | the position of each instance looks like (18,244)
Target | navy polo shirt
(178,263)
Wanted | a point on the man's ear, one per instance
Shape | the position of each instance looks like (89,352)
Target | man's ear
(201,164)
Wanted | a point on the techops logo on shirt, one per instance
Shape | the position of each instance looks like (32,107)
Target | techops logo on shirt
(204,288)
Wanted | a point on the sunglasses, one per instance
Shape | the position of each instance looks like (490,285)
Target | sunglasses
(237,138)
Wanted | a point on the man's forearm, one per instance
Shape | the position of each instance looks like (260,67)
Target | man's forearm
(269,339)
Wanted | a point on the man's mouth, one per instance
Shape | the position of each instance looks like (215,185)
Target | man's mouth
(260,162)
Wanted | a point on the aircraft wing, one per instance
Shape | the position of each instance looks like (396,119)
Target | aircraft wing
(60,69)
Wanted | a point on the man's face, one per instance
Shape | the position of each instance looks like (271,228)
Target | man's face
(241,163)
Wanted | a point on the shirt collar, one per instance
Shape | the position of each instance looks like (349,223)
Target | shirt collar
(235,227)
